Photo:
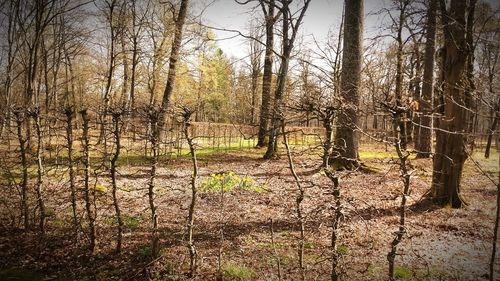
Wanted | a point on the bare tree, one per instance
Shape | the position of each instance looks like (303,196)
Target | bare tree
(346,139)
(117,118)
(186,115)
(255,68)
(12,50)
(270,19)
(113,11)
(157,117)
(299,209)
(451,135)
(88,195)
(155,147)
(70,114)
(289,33)
(397,113)
(35,114)
(20,115)
(423,146)
(495,229)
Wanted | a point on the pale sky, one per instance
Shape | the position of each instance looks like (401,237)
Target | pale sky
(321,16)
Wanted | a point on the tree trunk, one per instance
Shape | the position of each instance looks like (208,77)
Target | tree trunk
(111,69)
(268,75)
(492,130)
(450,147)
(400,75)
(24,164)
(39,178)
(155,147)
(113,171)
(470,85)
(495,232)
(346,138)
(192,205)
(424,144)
(174,57)
(86,179)
(69,140)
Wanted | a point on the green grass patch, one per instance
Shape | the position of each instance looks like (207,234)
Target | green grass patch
(377,154)
(233,271)
(58,222)
(433,273)
(285,233)
(308,245)
(50,212)
(131,222)
(227,182)
(128,221)
(342,250)
(145,251)
(402,272)
(489,165)
(374,270)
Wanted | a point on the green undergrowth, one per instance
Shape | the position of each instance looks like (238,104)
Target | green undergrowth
(218,182)
(233,271)
(490,165)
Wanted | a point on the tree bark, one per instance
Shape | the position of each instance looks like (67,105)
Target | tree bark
(399,73)
(113,170)
(424,144)
(174,57)
(192,205)
(155,147)
(492,129)
(24,165)
(287,47)
(86,179)
(451,135)
(346,138)
(69,141)
(39,179)
(268,74)
(111,69)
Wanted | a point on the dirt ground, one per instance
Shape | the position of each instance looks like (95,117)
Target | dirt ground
(441,243)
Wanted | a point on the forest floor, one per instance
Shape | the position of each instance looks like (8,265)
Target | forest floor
(440,244)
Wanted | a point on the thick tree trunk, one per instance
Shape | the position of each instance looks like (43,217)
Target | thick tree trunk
(174,57)
(278,111)
(346,138)
(267,76)
(424,144)
(452,129)
(287,46)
